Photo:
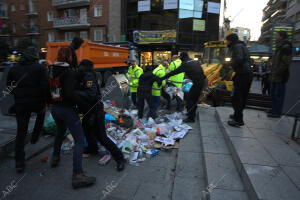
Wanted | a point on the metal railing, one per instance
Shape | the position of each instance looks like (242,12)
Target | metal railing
(67,21)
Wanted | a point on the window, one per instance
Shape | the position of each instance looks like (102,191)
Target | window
(70,13)
(98,35)
(69,36)
(84,35)
(98,11)
(51,37)
(13,8)
(14,28)
(22,5)
(50,16)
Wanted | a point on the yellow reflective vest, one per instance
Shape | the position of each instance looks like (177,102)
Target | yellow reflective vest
(177,79)
(159,71)
(133,76)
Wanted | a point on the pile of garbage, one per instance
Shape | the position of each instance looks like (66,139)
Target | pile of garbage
(138,139)
(141,139)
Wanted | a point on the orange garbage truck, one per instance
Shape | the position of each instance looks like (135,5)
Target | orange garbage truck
(108,59)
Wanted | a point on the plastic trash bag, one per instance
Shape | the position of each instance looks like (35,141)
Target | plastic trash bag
(49,126)
(187,87)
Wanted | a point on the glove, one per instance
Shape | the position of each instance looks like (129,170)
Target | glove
(159,81)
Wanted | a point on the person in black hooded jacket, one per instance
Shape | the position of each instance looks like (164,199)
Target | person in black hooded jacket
(76,44)
(144,92)
(193,71)
(240,62)
(29,82)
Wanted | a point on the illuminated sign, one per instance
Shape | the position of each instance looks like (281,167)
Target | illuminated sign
(288,30)
(150,37)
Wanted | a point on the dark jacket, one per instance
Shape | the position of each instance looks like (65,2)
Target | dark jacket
(30,82)
(240,58)
(281,61)
(146,81)
(68,80)
(192,69)
(74,63)
(88,87)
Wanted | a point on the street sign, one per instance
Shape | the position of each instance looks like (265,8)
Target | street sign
(288,29)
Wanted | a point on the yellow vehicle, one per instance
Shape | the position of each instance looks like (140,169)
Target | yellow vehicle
(215,65)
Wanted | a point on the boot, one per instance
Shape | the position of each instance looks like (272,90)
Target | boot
(121,165)
(81,180)
(235,123)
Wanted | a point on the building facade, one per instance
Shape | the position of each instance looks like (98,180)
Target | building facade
(160,28)
(274,12)
(243,33)
(293,15)
(61,20)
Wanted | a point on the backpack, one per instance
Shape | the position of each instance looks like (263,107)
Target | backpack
(54,80)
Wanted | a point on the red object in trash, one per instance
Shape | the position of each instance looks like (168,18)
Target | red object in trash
(44,159)
(113,103)
(107,125)
(157,131)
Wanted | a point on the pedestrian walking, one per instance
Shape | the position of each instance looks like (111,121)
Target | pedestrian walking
(193,71)
(93,118)
(279,75)
(133,75)
(240,62)
(29,80)
(62,81)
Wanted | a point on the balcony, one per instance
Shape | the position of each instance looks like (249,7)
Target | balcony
(34,30)
(61,4)
(71,23)
(32,12)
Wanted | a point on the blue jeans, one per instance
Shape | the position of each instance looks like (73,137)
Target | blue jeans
(66,117)
(277,95)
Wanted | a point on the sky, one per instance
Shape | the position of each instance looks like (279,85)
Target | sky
(250,16)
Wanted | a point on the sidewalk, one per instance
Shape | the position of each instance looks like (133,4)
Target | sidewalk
(267,161)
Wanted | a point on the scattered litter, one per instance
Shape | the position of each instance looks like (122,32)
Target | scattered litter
(105,159)
(140,139)
(44,159)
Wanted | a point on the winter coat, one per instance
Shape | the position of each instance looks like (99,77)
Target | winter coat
(146,81)
(30,83)
(240,58)
(281,61)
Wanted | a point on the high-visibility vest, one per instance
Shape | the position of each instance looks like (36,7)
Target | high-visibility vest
(133,75)
(176,79)
(159,71)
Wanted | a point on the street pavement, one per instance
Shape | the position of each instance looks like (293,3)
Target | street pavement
(174,174)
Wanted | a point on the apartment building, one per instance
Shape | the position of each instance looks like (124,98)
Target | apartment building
(243,33)
(293,15)
(61,20)
(274,12)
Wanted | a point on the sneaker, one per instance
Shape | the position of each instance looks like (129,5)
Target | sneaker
(271,115)
(34,138)
(80,180)
(235,123)
(54,161)
(188,120)
(121,165)
(20,166)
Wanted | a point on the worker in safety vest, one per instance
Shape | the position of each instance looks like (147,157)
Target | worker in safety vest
(176,81)
(159,71)
(133,75)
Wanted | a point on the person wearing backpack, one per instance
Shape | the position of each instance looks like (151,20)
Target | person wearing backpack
(62,81)
(28,79)
(93,118)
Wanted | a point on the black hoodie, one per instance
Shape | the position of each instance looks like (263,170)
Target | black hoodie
(146,81)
